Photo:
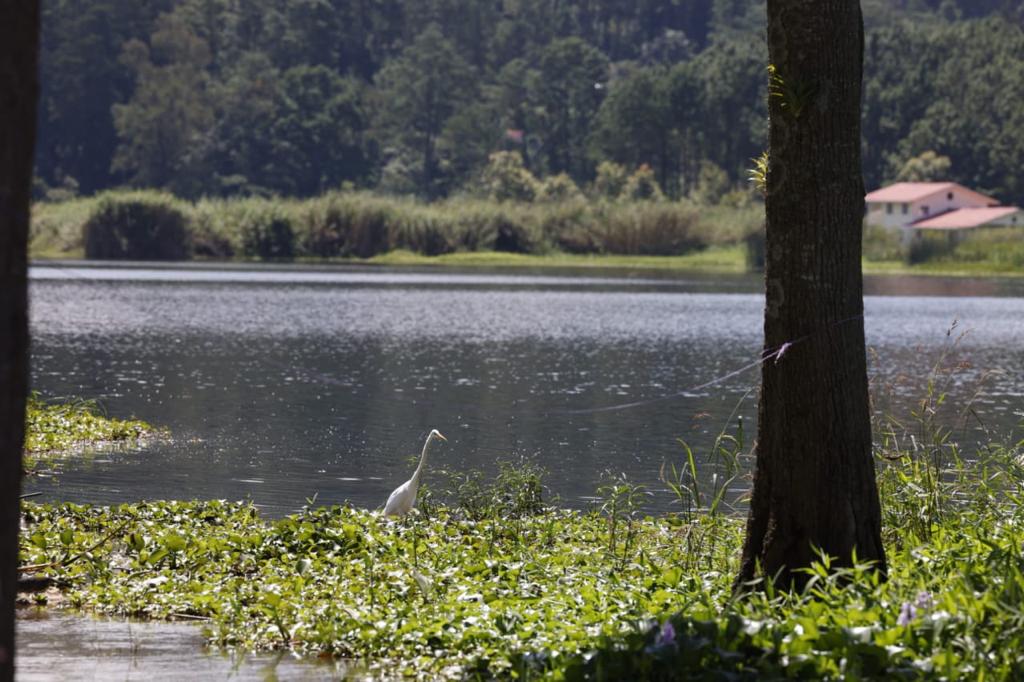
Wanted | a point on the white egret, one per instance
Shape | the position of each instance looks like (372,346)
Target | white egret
(403,499)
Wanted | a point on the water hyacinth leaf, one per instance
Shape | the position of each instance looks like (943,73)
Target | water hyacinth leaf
(136,541)
(671,576)
(174,543)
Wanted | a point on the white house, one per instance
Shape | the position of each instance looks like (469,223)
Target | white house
(915,206)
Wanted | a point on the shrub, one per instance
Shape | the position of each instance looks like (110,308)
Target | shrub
(273,239)
(654,230)
(578,240)
(211,235)
(137,226)
(327,224)
(57,229)
(925,247)
(570,226)
(468,224)
(1001,246)
(724,224)
(610,181)
(882,243)
(712,183)
(755,244)
(510,236)
(368,232)
(506,179)
(267,233)
(559,188)
(349,225)
(642,185)
(422,230)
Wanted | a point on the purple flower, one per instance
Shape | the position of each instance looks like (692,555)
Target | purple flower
(667,635)
(907,614)
(924,600)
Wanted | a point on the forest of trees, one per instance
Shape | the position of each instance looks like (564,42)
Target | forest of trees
(295,97)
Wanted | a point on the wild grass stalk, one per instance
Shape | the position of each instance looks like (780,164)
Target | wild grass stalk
(623,501)
(924,476)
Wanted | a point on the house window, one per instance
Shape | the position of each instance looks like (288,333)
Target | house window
(924,210)
(888,208)
(949,196)
(905,209)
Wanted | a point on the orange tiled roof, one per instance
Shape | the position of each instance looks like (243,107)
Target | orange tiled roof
(965,217)
(908,191)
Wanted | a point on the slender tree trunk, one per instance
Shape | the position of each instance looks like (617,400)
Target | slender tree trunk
(814,482)
(19,90)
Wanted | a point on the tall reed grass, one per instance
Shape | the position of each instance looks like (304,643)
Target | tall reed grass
(137,226)
(363,225)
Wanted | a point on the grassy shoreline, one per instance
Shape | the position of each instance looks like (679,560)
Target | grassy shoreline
(726,259)
(146,225)
(363,228)
(715,259)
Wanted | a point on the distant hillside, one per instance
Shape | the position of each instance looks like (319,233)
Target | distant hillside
(295,97)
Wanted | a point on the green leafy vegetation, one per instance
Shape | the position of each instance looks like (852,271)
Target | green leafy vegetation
(451,595)
(441,594)
(53,427)
(495,583)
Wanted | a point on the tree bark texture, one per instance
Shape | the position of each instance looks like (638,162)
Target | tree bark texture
(814,480)
(19,90)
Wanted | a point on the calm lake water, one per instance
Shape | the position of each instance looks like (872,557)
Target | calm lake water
(279,383)
(61,645)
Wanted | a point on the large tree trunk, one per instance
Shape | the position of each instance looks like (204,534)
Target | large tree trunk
(814,482)
(19,89)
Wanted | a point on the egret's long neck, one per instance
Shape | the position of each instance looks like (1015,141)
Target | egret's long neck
(423,461)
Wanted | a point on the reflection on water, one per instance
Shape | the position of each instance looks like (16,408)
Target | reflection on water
(281,383)
(57,645)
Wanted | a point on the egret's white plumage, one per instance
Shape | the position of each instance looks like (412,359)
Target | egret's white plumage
(403,499)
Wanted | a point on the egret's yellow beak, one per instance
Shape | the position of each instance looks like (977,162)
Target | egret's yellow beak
(441,436)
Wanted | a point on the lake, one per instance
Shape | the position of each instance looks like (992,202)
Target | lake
(61,645)
(281,383)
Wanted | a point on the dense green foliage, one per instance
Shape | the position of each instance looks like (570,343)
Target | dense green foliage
(213,98)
